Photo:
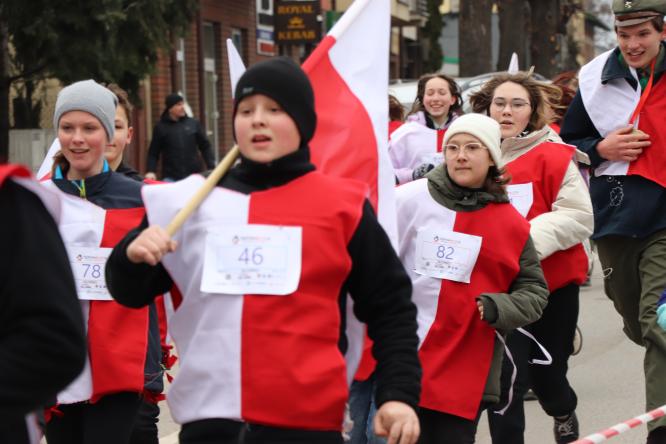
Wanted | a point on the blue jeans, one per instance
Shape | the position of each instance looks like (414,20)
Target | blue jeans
(363,409)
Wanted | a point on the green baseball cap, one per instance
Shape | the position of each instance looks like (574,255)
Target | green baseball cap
(635,12)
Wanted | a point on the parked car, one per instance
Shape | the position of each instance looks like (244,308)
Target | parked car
(405,90)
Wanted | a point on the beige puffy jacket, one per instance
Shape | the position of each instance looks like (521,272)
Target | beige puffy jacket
(571,220)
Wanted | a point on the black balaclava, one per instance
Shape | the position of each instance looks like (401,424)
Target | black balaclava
(281,79)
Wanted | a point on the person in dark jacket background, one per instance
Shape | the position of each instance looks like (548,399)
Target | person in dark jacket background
(177,137)
(41,327)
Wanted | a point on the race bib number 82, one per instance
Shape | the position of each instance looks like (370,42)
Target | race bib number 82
(446,254)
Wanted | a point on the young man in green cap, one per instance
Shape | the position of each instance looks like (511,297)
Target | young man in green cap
(617,119)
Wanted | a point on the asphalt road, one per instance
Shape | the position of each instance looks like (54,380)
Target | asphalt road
(607,376)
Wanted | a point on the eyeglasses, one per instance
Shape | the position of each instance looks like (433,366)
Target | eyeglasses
(515,104)
(452,151)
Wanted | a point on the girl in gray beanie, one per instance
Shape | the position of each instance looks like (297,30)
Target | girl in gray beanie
(88,110)
(101,405)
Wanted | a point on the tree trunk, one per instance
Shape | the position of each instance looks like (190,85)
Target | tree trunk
(474,40)
(4,92)
(515,30)
(545,36)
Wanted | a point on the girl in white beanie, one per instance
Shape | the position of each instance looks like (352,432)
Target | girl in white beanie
(547,188)
(474,272)
(98,207)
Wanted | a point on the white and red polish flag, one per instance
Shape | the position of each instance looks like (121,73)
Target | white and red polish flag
(349,75)
(236,65)
(44,171)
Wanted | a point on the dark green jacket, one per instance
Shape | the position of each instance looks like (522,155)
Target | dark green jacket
(528,294)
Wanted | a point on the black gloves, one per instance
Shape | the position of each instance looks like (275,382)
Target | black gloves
(422,170)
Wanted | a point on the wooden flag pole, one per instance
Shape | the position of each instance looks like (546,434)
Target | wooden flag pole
(201,194)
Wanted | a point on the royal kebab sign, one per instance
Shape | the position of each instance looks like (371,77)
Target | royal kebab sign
(297,22)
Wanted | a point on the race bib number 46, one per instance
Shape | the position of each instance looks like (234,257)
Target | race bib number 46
(252,259)
(88,268)
(446,254)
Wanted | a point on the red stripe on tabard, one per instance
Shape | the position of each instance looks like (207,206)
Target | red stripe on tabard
(10,170)
(176,296)
(344,143)
(545,166)
(456,353)
(293,373)
(117,335)
(651,164)
(440,139)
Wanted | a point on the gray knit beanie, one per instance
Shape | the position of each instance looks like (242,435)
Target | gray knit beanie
(91,97)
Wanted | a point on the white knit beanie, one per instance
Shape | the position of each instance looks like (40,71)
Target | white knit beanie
(484,128)
(91,97)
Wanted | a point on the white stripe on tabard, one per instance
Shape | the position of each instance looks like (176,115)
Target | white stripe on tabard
(49,198)
(412,145)
(609,106)
(206,328)
(81,224)
(32,425)
(416,210)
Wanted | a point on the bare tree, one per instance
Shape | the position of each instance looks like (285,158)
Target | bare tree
(515,32)
(545,36)
(474,37)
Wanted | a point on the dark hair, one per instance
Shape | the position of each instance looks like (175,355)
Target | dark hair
(123,100)
(396,111)
(542,95)
(658,23)
(567,82)
(496,180)
(456,108)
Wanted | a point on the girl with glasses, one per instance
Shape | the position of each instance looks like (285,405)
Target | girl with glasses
(547,188)
(475,275)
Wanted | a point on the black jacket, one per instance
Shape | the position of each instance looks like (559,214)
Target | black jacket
(42,338)
(177,142)
(377,281)
(128,171)
(629,206)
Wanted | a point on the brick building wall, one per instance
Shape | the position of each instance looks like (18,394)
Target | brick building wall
(223,15)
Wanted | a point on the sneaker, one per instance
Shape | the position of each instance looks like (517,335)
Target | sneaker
(566,430)
(530,396)
(657,436)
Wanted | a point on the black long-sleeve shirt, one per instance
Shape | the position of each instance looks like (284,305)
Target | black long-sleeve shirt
(377,282)
(42,338)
